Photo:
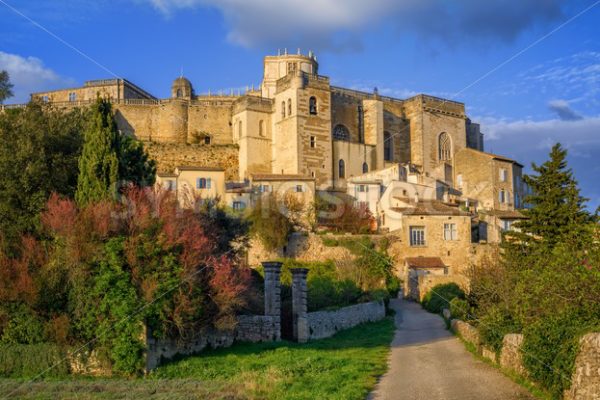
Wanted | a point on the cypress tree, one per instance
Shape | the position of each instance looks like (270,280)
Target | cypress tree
(99,162)
(557,212)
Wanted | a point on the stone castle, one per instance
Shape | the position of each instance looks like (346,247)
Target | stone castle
(417,164)
(296,123)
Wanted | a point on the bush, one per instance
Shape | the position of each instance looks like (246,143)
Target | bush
(23,327)
(460,309)
(551,345)
(29,360)
(440,296)
(494,325)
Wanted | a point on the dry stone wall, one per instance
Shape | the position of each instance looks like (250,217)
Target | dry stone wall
(250,328)
(323,324)
(585,383)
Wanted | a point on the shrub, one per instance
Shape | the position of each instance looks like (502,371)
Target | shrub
(23,327)
(551,345)
(460,309)
(440,296)
(29,360)
(494,325)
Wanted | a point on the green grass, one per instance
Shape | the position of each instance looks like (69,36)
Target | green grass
(345,366)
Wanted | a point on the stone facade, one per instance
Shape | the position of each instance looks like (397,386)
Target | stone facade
(323,324)
(295,123)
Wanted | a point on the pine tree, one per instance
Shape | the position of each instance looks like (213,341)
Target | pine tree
(99,162)
(5,86)
(558,211)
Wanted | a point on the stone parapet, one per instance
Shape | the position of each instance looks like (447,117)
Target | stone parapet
(466,331)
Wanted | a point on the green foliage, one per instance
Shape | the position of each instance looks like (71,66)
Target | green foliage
(494,325)
(440,296)
(39,149)
(135,166)
(30,360)
(269,223)
(558,213)
(99,162)
(116,312)
(23,327)
(5,86)
(460,309)
(547,281)
(551,345)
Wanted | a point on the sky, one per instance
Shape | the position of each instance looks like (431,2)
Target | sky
(527,70)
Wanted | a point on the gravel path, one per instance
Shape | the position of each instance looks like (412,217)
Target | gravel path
(428,363)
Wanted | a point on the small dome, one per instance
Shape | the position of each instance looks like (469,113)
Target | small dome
(182,88)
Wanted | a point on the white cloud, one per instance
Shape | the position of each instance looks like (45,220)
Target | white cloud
(333,24)
(28,74)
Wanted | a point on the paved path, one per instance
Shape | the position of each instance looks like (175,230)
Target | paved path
(429,363)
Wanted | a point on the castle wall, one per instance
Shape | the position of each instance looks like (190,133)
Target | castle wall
(210,117)
(399,128)
(171,155)
(285,150)
(353,154)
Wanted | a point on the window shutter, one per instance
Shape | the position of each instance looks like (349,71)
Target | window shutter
(208,183)
(198,183)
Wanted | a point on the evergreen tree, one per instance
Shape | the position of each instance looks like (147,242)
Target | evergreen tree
(5,86)
(558,211)
(99,162)
(134,164)
(39,149)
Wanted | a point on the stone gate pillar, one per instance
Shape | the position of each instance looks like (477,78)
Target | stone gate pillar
(273,294)
(299,305)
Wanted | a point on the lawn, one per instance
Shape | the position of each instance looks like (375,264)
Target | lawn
(345,366)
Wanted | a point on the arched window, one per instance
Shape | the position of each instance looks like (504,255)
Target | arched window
(289,107)
(283,109)
(312,106)
(240,129)
(388,146)
(341,169)
(365,168)
(340,132)
(179,93)
(445,147)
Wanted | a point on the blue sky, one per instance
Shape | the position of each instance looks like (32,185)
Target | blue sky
(528,71)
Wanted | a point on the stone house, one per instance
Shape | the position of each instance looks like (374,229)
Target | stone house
(194,182)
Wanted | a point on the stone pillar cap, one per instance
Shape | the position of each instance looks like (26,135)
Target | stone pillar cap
(299,270)
(272,264)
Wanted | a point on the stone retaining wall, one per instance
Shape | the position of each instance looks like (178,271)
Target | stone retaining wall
(323,324)
(250,328)
(510,355)
(467,331)
(585,382)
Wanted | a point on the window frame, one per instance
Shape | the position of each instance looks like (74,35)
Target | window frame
(419,238)
(450,231)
